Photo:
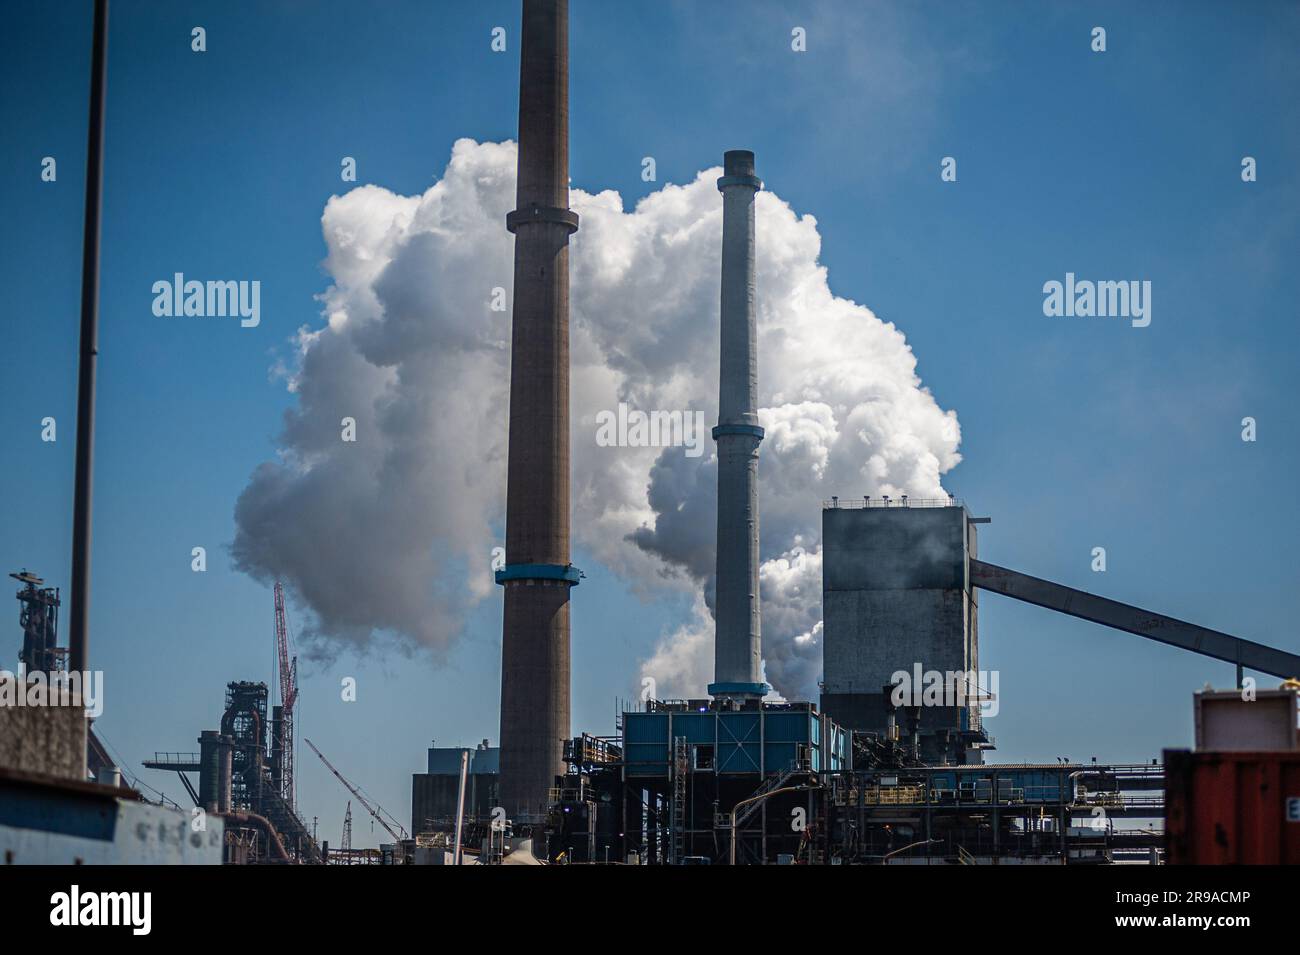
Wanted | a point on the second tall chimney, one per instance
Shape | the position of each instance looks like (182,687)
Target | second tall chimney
(737,653)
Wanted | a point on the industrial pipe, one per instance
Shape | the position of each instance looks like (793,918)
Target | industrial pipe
(460,805)
(760,797)
(210,770)
(911,845)
(262,823)
(225,757)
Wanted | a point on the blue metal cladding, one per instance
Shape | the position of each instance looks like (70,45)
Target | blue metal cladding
(696,727)
(645,743)
(746,741)
(740,747)
(646,728)
(787,734)
(1037,785)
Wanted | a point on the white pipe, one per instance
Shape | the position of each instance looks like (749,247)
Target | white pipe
(460,805)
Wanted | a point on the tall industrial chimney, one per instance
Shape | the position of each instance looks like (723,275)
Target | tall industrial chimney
(737,653)
(538,575)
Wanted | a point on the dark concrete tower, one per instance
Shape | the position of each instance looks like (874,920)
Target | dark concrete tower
(737,646)
(538,575)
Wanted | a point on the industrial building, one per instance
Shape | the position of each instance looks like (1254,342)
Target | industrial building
(435,794)
(896,595)
(879,772)
(244,777)
(876,771)
(871,780)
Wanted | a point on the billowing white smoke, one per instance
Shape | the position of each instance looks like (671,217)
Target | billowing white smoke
(392,533)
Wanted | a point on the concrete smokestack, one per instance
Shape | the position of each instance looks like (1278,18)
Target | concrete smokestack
(737,649)
(538,575)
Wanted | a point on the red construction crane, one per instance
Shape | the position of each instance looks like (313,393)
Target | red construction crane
(288,696)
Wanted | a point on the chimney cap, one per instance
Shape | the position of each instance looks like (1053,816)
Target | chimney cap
(738,162)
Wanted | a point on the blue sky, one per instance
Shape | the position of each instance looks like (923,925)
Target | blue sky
(1076,433)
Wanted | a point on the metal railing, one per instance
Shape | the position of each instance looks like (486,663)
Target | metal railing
(174,758)
(894,796)
(850,503)
(1117,800)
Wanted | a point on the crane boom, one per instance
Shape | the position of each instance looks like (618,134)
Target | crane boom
(357,794)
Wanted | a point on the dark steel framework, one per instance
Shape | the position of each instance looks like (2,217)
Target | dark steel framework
(287,670)
(39,618)
(1064,814)
(241,778)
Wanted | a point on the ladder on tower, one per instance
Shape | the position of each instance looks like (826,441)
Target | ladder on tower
(681,768)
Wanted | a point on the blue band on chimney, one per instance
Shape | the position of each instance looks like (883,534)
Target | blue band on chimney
(753,430)
(565,572)
(536,214)
(737,689)
(752,181)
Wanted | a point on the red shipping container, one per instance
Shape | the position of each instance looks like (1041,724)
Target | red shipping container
(1232,808)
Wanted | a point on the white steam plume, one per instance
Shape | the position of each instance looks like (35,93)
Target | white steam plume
(392,534)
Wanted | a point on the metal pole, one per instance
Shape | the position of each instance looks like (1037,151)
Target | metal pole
(460,805)
(79,638)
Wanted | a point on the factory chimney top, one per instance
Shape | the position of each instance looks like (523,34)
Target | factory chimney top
(738,170)
(738,162)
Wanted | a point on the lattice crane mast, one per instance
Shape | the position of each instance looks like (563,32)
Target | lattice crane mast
(288,672)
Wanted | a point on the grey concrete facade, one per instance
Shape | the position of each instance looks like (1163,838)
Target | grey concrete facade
(895,592)
(535,630)
(738,656)
(44,739)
